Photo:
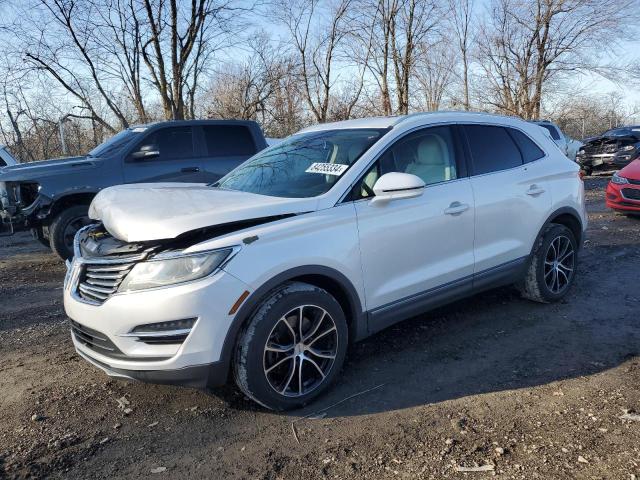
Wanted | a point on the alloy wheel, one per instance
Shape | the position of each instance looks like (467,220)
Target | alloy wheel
(300,351)
(559,264)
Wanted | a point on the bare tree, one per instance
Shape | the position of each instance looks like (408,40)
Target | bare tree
(243,90)
(415,20)
(64,49)
(105,52)
(524,45)
(392,31)
(318,35)
(460,19)
(434,74)
(121,37)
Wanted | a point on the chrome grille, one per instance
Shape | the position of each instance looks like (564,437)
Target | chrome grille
(98,281)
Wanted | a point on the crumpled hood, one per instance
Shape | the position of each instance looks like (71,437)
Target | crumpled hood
(622,139)
(44,168)
(158,211)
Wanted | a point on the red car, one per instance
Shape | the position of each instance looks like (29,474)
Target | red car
(623,191)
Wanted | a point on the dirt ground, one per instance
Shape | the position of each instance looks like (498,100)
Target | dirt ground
(521,389)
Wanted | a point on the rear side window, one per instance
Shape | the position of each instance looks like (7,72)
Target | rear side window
(552,130)
(228,140)
(492,149)
(530,151)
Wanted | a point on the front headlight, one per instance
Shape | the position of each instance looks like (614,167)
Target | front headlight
(618,180)
(627,148)
(171,270)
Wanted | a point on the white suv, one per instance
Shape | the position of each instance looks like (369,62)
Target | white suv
(323,239)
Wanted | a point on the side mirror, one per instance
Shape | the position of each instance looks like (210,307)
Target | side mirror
(396,185)
(146,152)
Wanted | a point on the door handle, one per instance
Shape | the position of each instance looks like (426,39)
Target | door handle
(456,208)
(535,190)
(190,169)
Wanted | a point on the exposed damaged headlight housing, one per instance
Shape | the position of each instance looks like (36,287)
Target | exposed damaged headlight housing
(169,270)
(618,180)
(627,148)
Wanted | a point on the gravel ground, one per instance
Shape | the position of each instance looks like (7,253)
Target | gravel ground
(495,383)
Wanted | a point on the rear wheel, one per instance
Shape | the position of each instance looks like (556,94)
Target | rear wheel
(64,227)
(552,267)
(292,348)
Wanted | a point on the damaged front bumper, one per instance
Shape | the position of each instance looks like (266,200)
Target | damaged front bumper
(604,161)
(21,207)
(171,334)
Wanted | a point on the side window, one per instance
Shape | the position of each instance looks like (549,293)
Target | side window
(492,149)
(431,154)
(172,143)
(228,140)
(530,151)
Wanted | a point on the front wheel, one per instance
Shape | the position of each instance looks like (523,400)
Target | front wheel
(292,348)
(64,227)
(552,267)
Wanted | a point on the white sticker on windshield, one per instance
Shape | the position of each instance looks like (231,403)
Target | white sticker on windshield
(336,169)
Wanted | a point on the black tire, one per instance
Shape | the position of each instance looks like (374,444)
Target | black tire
(262,373)
(63,228)
(540,272)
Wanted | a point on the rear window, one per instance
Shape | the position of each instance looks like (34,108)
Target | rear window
(530,151)
(228,140)
(492,149)
(552,130)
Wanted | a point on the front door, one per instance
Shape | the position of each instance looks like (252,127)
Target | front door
(417,249)
(164,155)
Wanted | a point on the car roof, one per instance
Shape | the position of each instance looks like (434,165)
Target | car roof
(194,122)
(413,119)
(541,121)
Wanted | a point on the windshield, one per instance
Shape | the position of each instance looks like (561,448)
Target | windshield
(116,142)
(302,166)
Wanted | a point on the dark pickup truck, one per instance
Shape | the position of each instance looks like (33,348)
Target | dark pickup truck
(612,150)
(52,197)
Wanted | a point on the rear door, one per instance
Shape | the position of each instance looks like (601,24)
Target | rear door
(164,155)
(510,193)
(226,147)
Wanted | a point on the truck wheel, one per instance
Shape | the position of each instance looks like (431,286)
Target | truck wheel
(64,227)
(292,348)
(552,267)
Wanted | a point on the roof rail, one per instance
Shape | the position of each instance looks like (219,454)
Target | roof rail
(404,118)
